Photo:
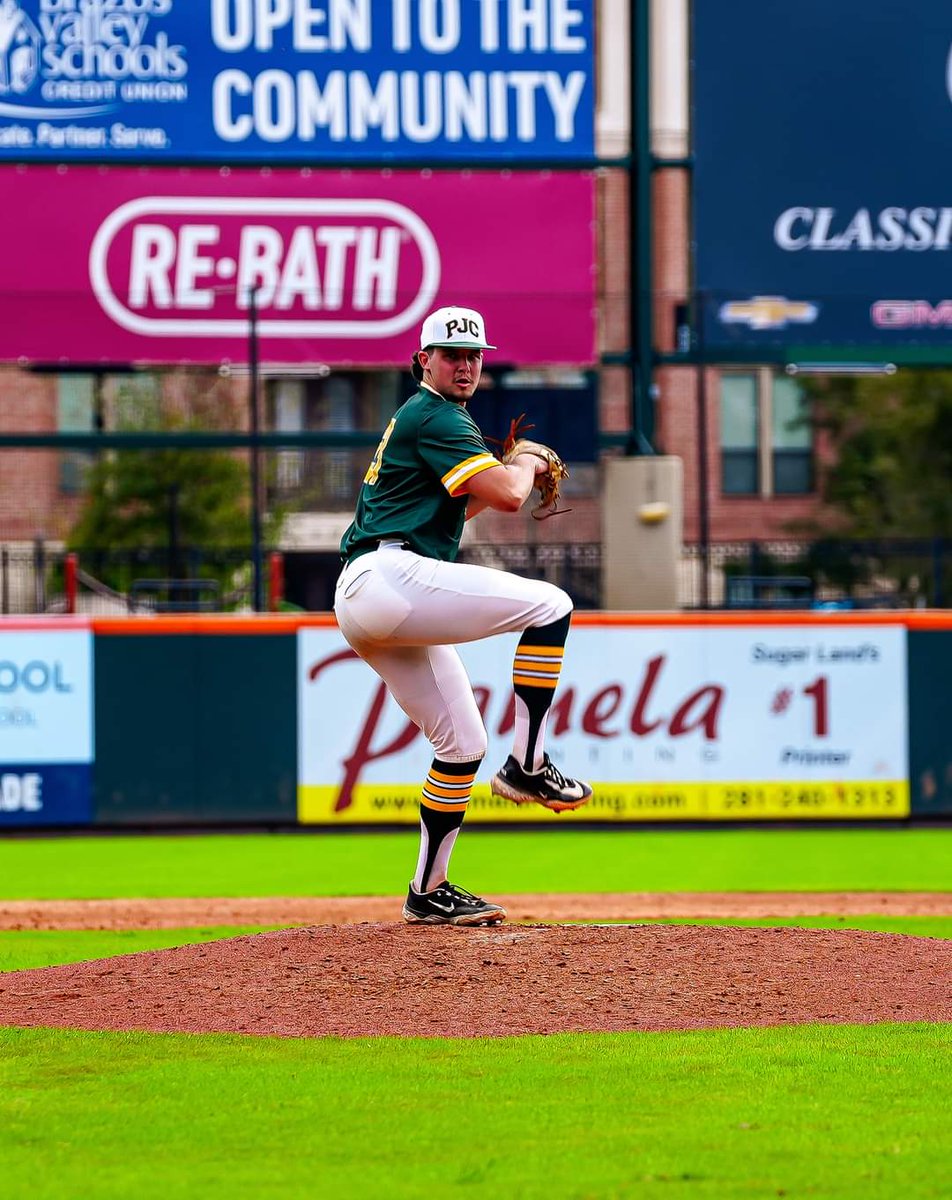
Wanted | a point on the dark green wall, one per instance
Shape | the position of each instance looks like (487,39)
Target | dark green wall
(930,722)
(195,729)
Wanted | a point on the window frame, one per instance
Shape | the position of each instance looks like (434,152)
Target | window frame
(764,377)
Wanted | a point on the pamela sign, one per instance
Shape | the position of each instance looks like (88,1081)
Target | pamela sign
(305,80)
(161,265)
(791,723)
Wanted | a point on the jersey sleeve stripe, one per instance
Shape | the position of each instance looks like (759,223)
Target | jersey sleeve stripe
(453,480)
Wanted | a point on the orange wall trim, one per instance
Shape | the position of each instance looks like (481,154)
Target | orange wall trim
(283,623)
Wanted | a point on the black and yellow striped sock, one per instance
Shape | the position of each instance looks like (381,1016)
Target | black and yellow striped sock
(443,804)
(535,676)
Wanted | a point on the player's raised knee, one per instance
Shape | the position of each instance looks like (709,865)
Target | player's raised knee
(559,602)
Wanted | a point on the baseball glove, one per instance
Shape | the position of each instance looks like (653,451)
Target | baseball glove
(549,481)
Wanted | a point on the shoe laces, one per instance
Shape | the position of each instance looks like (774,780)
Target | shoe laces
(553,774)
(459,893)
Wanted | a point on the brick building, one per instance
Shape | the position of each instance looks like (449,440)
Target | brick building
(760,455)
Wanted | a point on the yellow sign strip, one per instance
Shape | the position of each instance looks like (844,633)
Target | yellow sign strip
(399,803)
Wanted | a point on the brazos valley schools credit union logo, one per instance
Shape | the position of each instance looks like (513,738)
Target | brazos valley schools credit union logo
(65,60)
(768,312)
(188,266)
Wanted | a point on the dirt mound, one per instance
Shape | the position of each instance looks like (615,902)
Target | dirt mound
(393,979)
(175,912)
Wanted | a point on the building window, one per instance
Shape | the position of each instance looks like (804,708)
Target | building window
(739,436)
(75,413)
(792,440)
(337,402)
(766,435)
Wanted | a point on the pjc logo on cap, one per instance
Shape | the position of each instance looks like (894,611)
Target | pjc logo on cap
(454,327)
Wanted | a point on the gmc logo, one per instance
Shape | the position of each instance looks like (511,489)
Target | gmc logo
(188,265)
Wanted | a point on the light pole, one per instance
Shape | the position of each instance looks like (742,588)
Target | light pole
(255,449)
(703,498)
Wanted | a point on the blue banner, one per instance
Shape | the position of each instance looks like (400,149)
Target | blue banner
(46,724)
(41,794)
(822,192)
(296,80)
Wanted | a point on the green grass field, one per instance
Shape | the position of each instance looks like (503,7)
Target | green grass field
(818,1111)
(627,860)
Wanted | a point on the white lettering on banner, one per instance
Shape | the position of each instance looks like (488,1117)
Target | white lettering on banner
(83,53)
(329,25)
(421,107)
(328,256)
(532,25)
(20,793)
(439,25)
(282,274)
(890,229)
(278,106)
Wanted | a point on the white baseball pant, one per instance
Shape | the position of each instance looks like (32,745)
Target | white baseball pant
(403,614)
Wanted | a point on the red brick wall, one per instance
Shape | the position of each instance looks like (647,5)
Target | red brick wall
(31,504)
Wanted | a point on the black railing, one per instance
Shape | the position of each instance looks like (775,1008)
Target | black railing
(832,573)
(826,573)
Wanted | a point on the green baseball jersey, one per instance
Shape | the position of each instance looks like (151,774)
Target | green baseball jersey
(412,489)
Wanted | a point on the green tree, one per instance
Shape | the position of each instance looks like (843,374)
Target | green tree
(135,496)
(891,442)
(176,512)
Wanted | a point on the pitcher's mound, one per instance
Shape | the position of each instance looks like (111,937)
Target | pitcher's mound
(388,979)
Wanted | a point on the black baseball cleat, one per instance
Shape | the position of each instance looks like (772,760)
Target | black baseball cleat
(548,787)
(450,905)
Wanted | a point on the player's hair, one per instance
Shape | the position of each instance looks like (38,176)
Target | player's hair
(416,369)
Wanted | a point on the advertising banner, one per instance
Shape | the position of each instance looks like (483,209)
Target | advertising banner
(296,80)
(46,727)
(119,265)
(823,211)
(671,723)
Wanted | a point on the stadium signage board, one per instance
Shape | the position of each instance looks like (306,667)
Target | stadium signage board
(823,215)
(46,727)
(799,722)
(296,80)
(115,265)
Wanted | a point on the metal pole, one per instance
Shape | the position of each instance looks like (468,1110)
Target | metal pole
(39,575)
(255,451)
(641,336)
(175,572)
(703,509)
(937,565)
(70,581)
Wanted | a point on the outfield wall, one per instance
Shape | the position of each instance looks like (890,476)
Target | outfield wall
(206,720)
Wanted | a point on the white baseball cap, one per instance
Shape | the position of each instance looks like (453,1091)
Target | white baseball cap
(455,327)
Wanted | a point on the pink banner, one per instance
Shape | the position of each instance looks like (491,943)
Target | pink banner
(116,265)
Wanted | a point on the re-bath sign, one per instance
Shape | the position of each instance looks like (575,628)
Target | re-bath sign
(304,80)
(123,264)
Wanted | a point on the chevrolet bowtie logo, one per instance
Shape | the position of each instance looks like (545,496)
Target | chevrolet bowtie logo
(768,312)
